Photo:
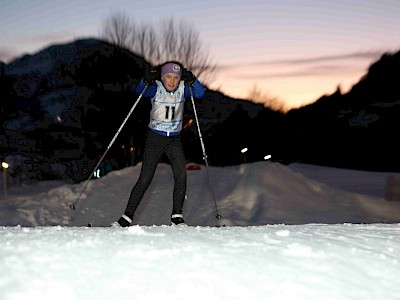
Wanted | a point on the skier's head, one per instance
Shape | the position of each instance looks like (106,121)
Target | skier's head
(171,73)
(171,67)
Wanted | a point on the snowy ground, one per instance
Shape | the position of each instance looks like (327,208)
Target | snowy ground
(293,232)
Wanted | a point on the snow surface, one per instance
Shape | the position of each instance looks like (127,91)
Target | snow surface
(291,232)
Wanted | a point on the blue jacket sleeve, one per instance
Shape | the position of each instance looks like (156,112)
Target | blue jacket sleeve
(149,92)
(197,89)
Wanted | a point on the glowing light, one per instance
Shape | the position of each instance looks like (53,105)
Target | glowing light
(267,156)
(244,150)
(5,165)
(188,123)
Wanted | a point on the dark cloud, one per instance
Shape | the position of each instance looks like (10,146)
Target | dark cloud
(323,70)
(300,67)
(329,58)
(309,60)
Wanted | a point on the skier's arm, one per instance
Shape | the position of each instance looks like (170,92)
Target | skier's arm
(197,89)
(149,78)
(191,80)
(150,91)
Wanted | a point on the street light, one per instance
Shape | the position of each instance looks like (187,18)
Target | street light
(266,157)
(5,168)
(243,151)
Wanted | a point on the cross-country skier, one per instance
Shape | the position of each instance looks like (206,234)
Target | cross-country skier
(166,116)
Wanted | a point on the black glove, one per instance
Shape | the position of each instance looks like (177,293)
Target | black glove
(150,74)
(188,76)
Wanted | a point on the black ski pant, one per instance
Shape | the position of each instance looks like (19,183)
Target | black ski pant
(156,146)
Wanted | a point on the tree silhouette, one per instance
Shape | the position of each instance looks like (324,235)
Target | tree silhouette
(157,43)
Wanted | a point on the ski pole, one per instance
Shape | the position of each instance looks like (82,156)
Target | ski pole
(73,205)
(218,216)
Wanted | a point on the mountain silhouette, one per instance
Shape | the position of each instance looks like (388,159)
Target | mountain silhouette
(358,129)
(65,103)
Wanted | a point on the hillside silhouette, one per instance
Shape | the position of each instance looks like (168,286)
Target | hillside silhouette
(357,129)
(65,103)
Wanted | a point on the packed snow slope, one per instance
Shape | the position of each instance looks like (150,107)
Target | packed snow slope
(253,194)
(293,240)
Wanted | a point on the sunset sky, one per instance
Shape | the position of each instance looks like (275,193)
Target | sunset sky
(294,51)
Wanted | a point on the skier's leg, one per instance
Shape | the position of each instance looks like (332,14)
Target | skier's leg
(153,151)
(175,154)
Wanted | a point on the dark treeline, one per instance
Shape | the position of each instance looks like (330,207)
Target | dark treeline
(64,104)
